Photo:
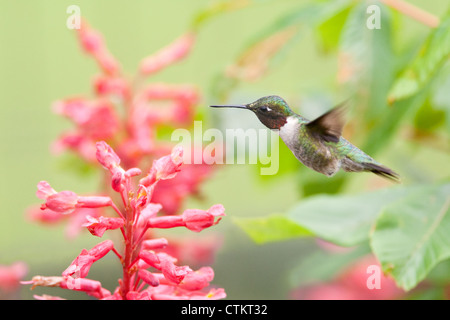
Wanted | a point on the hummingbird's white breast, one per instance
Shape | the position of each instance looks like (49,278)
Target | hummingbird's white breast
(289,132)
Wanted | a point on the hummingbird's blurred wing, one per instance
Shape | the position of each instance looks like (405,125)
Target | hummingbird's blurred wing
(328,127)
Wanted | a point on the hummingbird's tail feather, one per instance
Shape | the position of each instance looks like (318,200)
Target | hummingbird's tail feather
(382,171)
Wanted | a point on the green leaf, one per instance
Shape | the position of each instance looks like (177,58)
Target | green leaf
(411,236)
(329,31)
(390,121)
(271,228)
(428,118)
(346,219)
(367,61)
(371,64)
(434,52)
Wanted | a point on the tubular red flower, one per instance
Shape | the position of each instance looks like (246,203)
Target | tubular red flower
(93,202)
(46,216)
(165,263)
(92,42)
(153,244)
(77,109)
(81,284)
(172,272)
(150,258)
(193,219)
(106,156)
(98,226)
(76,142)
(149,211)
(95,119)
(168,55)
(133,172)
(64,202)
(111,86)
(148,277)
(197,220)
(117,180)
(101,249)
(101,121)
(164,168)
(165,222)
(44,190)
(198,279)
(79,268)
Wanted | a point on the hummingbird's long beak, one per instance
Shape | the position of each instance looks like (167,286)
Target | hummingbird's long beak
(241,106)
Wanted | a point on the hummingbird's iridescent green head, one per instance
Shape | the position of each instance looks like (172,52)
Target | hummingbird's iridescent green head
(272,111)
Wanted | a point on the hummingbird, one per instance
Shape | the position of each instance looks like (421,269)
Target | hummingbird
(318,144)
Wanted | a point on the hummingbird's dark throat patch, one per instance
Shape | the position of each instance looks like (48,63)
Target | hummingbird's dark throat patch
(274,122)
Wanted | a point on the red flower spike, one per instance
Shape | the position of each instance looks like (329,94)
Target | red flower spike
(133,133)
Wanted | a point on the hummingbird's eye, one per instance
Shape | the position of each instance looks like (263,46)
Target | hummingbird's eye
(265,109)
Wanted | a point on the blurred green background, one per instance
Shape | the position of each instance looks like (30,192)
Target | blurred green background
(40,62)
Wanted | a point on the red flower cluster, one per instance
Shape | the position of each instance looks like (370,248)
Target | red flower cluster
(148,271)
(127,113)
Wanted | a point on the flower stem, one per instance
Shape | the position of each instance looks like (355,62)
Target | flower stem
(117,253)
(117,210)
(127,260)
